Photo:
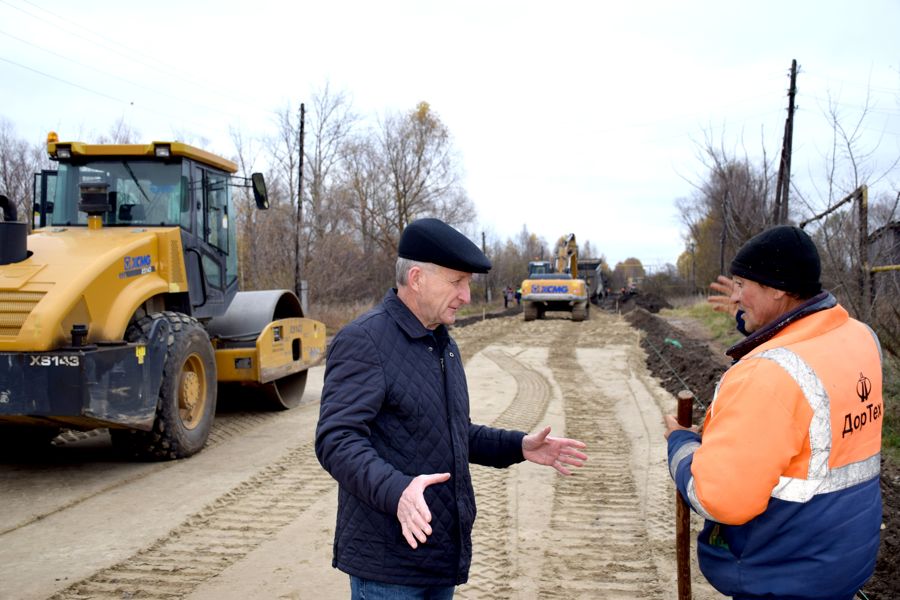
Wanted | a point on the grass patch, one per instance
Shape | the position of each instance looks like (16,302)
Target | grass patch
(478,307)
(336,315)
(721,326)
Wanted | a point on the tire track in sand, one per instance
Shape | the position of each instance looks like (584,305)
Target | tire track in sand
(224,428)
(492,561)
(218,536)
(600,540)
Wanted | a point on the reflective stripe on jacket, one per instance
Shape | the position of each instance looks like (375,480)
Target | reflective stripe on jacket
(787,472)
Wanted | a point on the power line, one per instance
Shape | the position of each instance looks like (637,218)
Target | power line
(138,57)
(857,84)
(87,89)
(48,75)
(113,75)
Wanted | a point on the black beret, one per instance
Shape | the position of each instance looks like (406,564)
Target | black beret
(784,258)
(433,241)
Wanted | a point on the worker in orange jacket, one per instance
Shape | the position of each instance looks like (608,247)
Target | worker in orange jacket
(787,473)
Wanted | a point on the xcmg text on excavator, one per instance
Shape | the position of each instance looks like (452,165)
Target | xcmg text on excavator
(121,309)
(556,287)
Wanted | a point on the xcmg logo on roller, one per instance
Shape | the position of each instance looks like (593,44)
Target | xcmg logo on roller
(136,262)
(549,289)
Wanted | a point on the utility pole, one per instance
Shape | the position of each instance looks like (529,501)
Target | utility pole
(783,185)
(299,287)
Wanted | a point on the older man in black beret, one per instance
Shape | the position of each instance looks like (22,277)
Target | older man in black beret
(787,470)
(394,428)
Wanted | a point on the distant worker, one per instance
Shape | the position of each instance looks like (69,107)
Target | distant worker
(518,296)
(787,471)
(394,428)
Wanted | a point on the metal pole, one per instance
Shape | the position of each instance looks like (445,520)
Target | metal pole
(682,512)
(865,287)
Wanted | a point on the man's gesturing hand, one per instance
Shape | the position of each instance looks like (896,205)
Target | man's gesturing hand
(725,286)
(412,511)
(543,449)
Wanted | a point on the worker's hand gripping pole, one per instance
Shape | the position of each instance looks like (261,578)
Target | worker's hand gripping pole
(682,512)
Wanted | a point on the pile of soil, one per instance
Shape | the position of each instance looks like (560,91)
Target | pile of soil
(628,301)
(681,361)
(678,360)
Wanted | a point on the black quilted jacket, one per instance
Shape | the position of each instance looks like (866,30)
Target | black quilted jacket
(395,405)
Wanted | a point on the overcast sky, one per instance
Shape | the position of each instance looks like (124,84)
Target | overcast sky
(569,117)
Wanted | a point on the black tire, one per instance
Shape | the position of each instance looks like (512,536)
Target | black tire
(529,311)
(187,396)
(580,312)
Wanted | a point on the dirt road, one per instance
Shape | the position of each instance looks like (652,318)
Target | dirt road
(252,516)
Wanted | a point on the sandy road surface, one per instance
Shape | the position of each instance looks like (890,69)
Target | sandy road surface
(252,516)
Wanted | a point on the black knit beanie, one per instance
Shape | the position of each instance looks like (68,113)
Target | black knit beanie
(784,258)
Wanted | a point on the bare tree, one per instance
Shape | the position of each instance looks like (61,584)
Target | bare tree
(365,192)
(420,164)
(247,217)
(851,161)
(284,150)
(363,187)
(535,248)
(404,169)
(119,132)
(332,121)
(19,161)
(730,205)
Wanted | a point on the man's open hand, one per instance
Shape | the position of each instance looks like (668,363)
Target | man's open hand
(544,449)
(412,511)
(723,285)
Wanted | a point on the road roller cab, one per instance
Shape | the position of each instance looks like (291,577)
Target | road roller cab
(121,310)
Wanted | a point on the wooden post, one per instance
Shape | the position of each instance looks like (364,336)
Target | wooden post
(682,512)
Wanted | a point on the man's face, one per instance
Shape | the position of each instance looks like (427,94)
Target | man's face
(442,292)
(761,304)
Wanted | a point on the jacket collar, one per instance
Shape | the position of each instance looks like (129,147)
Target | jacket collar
(821,301)
(407,321)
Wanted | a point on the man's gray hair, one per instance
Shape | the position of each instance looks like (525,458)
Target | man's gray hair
(403,267)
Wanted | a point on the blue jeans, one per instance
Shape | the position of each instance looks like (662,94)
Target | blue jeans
(367,589)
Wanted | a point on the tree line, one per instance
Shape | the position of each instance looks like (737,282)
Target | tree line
(365,178)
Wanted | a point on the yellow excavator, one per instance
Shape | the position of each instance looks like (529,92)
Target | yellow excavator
(121,309)
(556,286)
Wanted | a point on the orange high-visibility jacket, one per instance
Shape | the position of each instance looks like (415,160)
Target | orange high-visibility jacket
(787,472)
